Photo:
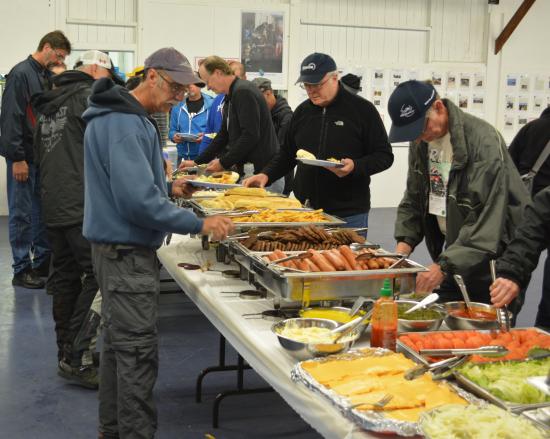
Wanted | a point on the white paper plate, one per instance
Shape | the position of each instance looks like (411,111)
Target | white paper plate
(323,163)
(188,137)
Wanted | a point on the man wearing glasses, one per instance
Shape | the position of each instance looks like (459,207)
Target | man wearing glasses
(463,195)
(17,121)
(127,213)
(332,123)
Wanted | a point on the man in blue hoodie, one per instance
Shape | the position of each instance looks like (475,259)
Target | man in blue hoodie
(127,213)
(188,121)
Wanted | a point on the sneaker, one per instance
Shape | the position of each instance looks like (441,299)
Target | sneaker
(85,376)
(27,279)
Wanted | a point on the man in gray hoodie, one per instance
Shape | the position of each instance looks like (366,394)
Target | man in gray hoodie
(127,213)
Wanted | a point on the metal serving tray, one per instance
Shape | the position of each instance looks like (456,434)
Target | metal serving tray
(331,220)
(336,285)
(468,384)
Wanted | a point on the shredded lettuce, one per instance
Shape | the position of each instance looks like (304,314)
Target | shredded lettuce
(508,380)
(472,422)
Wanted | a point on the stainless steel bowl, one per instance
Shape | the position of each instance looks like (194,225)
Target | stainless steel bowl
(404,325)
(339,310)
(463,323)
(304,351)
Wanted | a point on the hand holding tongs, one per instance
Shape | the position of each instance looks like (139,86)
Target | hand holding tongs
(503,317)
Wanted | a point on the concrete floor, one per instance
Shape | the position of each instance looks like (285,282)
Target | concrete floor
(36,403)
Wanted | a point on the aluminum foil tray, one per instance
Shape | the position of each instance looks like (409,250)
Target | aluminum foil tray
(368,420)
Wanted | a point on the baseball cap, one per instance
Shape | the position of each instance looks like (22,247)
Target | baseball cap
(175,63)
(201,83)
(96,57)
(314,67)
(407,107)
(262,83)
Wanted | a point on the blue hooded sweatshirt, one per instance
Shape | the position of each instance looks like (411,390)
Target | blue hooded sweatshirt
(183,122)
(126,195)
(214,123)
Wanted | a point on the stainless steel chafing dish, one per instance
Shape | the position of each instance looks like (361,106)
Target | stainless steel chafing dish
(322,286)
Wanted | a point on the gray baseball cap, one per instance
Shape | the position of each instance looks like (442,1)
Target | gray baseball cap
(174,63)
(262,83)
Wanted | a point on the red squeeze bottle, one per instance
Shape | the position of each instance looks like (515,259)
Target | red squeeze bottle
(384,320)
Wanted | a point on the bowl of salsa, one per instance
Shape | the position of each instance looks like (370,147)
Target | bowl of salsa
(478,316)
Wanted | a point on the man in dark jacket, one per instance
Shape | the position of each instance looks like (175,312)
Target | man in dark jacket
(521,257)
(463,195)
(59,154)
(17,122)
(525,149)
(281,113)
(127,213)
(247,133)
(332,123)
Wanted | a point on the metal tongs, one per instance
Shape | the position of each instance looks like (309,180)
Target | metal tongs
(484,351)
(345,329)
(305,255)
(503,317)
(368,255)
(438,368)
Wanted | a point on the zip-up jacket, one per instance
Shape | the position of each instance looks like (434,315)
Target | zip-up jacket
(349,127)
(214,122)
(59,147)
(182,122)
(532,237)
(485,199)
(281,115)
(527,146)
(125,192)
(247,133)
(17,118)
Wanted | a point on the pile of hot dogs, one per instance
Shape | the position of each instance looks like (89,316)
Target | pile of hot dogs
(340,259)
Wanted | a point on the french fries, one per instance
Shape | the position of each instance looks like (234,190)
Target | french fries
(283,216)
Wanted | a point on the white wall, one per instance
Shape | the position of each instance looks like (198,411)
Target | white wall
(359,34)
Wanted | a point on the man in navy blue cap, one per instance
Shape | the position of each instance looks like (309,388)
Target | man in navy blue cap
(463,195)
(332,124)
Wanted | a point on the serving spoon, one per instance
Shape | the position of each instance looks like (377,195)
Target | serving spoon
(428,300)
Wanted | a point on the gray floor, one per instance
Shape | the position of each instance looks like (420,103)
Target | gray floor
(35,403)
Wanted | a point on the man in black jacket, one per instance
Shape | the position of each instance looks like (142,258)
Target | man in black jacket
(332,123)
(281,114)
(247,133)
(17,123)
(525,149)
(59,153)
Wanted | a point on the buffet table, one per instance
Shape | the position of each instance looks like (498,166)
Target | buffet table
(252,338)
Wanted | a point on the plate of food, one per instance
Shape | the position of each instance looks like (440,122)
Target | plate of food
(188,137)
(217,180)
(308,158)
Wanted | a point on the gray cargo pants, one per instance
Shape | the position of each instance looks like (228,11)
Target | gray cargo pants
(128,278)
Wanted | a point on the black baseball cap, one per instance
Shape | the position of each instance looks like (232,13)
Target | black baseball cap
(407,106)
(175,64)
(314,67)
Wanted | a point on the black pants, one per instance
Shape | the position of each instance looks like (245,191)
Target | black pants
(129,281)
(73,286)
(543,314)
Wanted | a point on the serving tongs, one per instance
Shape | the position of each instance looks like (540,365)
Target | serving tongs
(437,369)
(369,255)
(503,317)
(355,246)
(305,255)
(484,351)
(349,327)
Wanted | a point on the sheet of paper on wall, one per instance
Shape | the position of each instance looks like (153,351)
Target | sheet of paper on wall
(479,81)
(465,81)
(524,83)
(451,80)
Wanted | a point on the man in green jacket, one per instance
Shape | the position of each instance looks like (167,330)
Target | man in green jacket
(464,194)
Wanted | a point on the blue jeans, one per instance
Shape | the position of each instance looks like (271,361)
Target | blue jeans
(26,229)
(357,221)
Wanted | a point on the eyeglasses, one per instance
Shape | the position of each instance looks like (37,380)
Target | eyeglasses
(175,88)
(312,87)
